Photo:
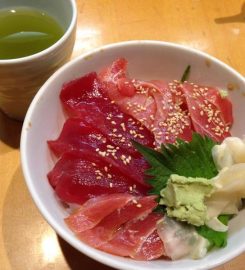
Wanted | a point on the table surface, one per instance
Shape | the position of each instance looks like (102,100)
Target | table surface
(216,27)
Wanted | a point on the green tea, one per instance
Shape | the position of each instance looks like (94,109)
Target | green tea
(26,31)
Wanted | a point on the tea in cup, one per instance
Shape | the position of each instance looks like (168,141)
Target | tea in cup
(36,38)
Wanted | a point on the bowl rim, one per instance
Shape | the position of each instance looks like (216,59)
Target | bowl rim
(50,49)
(24,145)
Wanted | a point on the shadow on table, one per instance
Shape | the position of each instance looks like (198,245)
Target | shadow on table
(234,18)
(77,260)
(20,229)
(10,131)
(28,241)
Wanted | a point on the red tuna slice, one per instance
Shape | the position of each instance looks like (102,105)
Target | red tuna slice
(129,239)
(119,127)
(75,93)
(77,131)
(85,98)
(151,249)
(77,135)
(105,230)
(86,92)
(81,175)
(153,104)
(211,114)
(94,210)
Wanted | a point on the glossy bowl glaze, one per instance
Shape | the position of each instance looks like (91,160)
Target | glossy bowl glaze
(147,60)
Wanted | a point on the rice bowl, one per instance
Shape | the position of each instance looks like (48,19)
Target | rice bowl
(45,118)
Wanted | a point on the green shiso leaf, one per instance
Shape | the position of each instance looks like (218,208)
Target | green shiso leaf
(189,159)
(216,239)
(186,74)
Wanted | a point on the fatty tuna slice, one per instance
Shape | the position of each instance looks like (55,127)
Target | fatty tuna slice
(129,239)
(94,210)
(210,113)
(151,249)
(152,103)
(138,104)
(81,175)
(171,120)
(105,230)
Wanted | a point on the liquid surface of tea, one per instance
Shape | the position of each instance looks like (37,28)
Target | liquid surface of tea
(26,31)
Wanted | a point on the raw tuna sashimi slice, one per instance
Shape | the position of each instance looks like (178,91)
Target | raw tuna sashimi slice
(139,103)
(152,103)
(223,104)
(105,230)
(129,239)
(151,249)
(171,120)
(77,135)
(74,93)
(94,210)
(81,175)
(211,114)
(86,99)
(115,78)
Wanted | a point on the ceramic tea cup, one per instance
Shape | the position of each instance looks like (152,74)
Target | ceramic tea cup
(21,78)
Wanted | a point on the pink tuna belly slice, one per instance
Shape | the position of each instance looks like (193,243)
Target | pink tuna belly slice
(105,230)
(151,249)
(130,238)
(206,111)
(138,104)
(94,210)
(152,103)
(170,121)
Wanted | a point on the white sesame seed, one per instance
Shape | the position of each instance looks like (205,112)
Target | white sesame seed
(110,146)
(123,126)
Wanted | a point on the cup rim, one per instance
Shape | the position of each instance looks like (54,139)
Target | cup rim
(52,47)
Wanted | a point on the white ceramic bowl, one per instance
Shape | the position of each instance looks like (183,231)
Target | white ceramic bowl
(147,60)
